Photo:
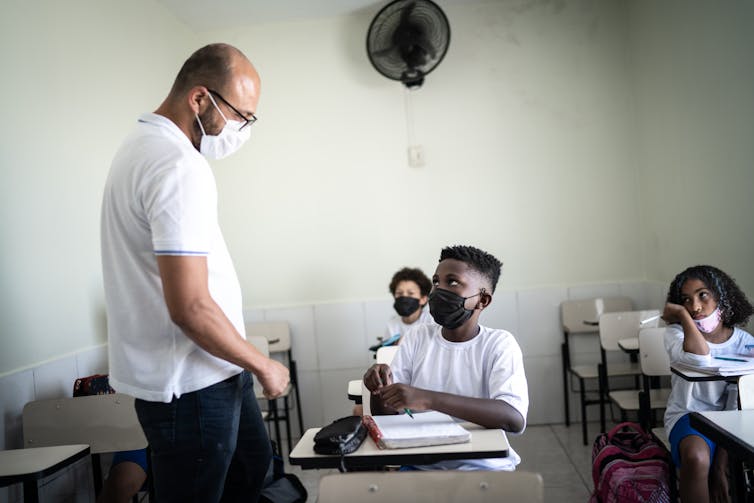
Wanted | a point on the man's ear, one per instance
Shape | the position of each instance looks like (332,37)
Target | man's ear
(197,98)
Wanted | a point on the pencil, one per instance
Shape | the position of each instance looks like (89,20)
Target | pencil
(729,359)
(408,411)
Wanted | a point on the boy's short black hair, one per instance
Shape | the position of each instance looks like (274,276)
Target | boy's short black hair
(411,274)
(481,261)
(735,308)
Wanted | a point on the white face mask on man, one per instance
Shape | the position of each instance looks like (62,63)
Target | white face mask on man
(230,139)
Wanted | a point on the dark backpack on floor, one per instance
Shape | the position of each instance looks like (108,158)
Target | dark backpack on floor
(628,466)
(281,487)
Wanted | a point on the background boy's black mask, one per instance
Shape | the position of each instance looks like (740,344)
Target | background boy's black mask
(448,309)
(405,305)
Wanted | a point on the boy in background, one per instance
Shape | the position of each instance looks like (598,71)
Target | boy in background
(458,367)
(410,288)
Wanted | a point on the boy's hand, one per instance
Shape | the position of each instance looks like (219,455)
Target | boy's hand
(402,396)
(673,313)
(377,376)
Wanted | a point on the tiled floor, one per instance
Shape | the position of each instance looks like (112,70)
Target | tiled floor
(554,451)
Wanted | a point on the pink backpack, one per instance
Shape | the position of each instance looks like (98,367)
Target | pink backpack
(628,466)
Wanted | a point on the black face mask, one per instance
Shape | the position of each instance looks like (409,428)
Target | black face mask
(405,306)
(448,309)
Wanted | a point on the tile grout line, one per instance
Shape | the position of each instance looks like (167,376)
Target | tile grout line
(587,484)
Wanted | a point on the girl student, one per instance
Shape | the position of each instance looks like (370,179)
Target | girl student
(705,309)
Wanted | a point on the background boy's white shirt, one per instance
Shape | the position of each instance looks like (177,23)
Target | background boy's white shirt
(488,366)
(161,198)
(688,396)
(396,326)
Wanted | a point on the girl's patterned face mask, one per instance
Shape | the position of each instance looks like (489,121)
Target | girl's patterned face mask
(710,323)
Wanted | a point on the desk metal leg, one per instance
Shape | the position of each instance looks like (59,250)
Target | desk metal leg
(740,492)
(565,360)
(97,474)
(582,394)
(31,491)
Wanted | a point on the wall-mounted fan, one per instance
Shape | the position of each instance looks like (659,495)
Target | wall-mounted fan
(407,39)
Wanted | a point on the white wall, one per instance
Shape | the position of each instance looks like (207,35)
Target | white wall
(75,77)
(527,141)
(529,128)
(694,80)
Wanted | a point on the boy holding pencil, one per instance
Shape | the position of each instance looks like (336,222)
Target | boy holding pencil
(471,372)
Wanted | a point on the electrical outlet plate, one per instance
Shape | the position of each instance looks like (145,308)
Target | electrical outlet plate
(416,156)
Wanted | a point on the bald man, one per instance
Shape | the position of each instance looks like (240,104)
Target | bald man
(175,318)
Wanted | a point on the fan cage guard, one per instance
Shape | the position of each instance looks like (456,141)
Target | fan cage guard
(386,57)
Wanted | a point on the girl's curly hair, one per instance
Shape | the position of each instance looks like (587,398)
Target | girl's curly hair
(735,308)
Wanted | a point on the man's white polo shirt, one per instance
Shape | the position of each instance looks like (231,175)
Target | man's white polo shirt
(160,199)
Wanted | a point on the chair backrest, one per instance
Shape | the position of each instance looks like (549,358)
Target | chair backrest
(386,354)
(277,333)
(432,487)
(259,342)
(108,423)
(582,316)
(653,357)
(623,325)
(746,392)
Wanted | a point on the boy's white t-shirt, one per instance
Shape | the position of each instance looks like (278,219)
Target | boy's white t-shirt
(686,396)
(395,325)
(488,366)
(160,199)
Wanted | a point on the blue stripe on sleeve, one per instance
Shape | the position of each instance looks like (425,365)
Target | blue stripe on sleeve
(180,252)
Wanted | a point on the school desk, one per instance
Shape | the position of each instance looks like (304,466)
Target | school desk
(734,431)
(485,443)
(354,390)
(693,376)
(28,466)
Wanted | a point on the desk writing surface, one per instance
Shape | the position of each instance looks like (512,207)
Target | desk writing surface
(38,462)
(629,344)
(694,376)
(733,429)
(354,389)
(485,443)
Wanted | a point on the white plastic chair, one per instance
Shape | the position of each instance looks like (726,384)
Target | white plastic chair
(655,363)
(432,487)
(582,317)
(613,328)
(107,423)
(746,392)
(278,335)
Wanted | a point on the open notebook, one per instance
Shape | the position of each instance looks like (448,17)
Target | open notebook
(426,428)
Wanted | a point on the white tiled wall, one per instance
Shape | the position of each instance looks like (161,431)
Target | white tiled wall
(330,344)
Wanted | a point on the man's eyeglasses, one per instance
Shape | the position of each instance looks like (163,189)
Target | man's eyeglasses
(246,121)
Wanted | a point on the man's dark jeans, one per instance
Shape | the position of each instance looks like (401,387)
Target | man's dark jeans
(208,446)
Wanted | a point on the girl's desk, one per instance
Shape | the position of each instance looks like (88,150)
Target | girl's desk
(695,376)
(485,443)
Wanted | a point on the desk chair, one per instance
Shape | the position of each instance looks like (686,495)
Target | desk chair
(582,317)
(655,364)
(278,335)
(384,355)
(432,487)
(28,466)
(107,423)
(746,392)
(613,327)
(263,347)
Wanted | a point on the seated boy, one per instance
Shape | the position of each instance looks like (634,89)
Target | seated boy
(458,367)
